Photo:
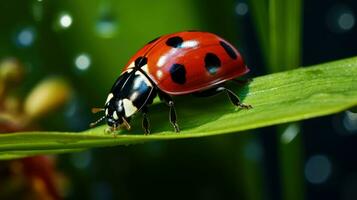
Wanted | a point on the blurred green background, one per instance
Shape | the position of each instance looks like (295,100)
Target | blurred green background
(85,44)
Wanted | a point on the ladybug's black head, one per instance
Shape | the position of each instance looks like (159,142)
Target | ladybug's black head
(115,113)
(131,92)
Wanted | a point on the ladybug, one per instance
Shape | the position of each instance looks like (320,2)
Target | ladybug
(181,63)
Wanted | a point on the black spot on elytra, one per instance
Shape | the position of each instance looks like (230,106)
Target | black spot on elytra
(140,61)
(152,41)
(178,73)
(212,63)
(174,42)
(229,50)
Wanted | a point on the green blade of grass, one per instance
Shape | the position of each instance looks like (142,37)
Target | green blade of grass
(285,45)
(277,98)
(285,35)
(261,21)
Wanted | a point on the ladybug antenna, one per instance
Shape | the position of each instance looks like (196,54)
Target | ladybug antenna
(126,124)
(96,110)
(96,122)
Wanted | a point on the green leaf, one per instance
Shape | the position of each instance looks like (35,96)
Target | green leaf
(277,98)
(20,154)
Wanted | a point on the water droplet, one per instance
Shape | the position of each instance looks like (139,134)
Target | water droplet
(318,169)
(340,18)
(25,37)
(65,20)
(290,133)
(241,9)
(82,61)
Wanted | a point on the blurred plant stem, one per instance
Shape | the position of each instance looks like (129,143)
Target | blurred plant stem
(279,25)
(251,165)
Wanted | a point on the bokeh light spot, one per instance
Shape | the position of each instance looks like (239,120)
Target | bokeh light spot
(340,18)
(318,169)
(82,61)
(346,21)
(106,26)
(25,37)
(241,9)
(65,20)
(290,133)
(350,122)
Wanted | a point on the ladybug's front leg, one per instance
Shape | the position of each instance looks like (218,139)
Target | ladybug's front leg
(145,122)
(172,115)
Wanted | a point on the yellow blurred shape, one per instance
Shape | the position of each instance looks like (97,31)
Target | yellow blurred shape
(46,97)
(11,70)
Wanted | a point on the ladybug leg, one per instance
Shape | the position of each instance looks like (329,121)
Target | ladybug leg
(145,122)
(172,115)
(173,119)
(234,98)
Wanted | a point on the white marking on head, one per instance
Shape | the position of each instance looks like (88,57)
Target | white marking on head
(129,68)
(134,96)
(129,107)
(106,112)
(110,96)
(132,65)
(115,115)
(120,105)
(145,68)
(142,77)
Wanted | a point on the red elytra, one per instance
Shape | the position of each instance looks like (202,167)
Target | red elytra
(203,59)
(173,64)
